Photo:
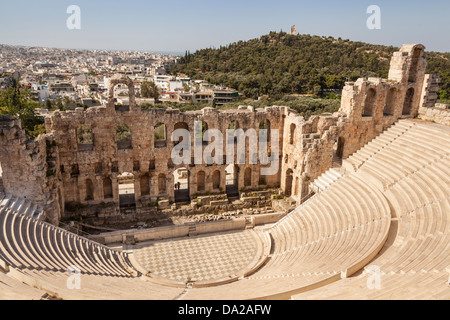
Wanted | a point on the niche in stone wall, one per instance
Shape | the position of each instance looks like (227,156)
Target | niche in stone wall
(391,102)
(107,188)
(412,76)
(145,185)
(407,105)
(369,103)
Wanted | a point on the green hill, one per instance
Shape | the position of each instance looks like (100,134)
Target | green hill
(279,63)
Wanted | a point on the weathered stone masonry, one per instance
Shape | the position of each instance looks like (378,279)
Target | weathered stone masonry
(62,167)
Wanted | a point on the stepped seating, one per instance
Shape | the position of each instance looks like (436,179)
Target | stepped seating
(11,289)
(9,203)
(391,209)
(332,234)
(325,180)
(415,261)
(30,244)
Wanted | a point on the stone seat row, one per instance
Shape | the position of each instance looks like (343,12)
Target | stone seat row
(415,262)
(16,204)
(28,243)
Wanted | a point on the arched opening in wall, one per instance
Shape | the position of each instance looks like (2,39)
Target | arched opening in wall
(162,184)
(412,77)
(107,188)
(181,184)
(183,126)
(145,185)
(369,103)
(123,137)
(127,196)
(205,128)
(85,138)
(201,181)
(338,152)
(89,190)
(248,177)
(265,125)
(122,97)
(216,180)
(234,125)
(288,184)
(407,106)
(232,180)
(292,133)
(160,135)
(391,102)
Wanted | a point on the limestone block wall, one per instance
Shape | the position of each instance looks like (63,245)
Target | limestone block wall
(368,107)
(27,169)
(440,113)
(86,170)
(80,160)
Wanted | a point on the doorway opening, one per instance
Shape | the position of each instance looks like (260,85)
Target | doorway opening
(127,197)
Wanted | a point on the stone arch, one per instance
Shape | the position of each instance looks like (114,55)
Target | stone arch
(181,184)
(233,126)
(340,146)
(414,67)
(292,131)
(124,138)
(113,83)
(89,190)
(145,185)
(180,125)
(409,99)
(127,196)
(216,179)
(107,188)
(248,177)
(370,103)
(288,184)
(265,124)
(391,102)
(201,181)
(162,185)
(297,181)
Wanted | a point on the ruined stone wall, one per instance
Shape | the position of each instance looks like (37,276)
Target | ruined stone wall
(440,113)
(368,107)
(80,158)
(28,167)
(145,158)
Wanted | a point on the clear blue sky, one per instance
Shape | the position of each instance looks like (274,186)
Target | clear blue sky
(176,26)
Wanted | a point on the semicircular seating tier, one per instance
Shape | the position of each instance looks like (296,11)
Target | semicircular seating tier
(390,209)
(410,164)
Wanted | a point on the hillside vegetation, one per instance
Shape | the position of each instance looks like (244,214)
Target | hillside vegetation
(279,64)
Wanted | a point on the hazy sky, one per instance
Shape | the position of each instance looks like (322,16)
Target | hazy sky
(176,26)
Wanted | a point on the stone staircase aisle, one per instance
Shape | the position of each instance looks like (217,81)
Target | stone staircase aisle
(355,161)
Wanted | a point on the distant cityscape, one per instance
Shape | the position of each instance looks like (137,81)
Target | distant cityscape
(80,78)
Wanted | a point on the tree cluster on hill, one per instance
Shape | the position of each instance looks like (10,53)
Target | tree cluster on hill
(16,100)
(279,63)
